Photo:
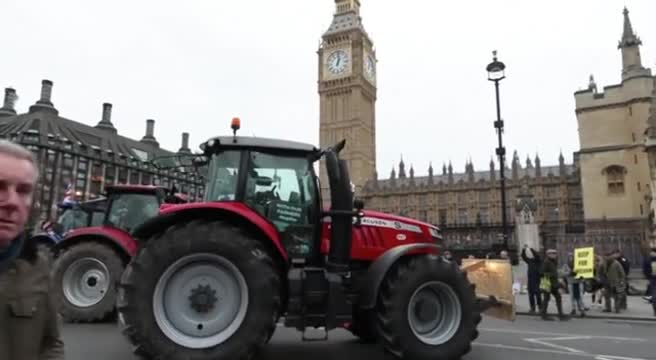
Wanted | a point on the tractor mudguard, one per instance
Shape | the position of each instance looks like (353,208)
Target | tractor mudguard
(105,234)
(234,211)
(377,271)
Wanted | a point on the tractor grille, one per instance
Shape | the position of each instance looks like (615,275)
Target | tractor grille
(369,237)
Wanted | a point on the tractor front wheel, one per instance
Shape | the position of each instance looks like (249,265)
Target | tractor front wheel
(85,276)
(200,290)
(426,310)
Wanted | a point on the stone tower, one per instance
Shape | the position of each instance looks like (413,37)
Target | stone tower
(613,162)
(347,91)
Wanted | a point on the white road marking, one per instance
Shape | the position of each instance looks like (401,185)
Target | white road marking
(523,348)
(558,349)
(588,337)
(543,342)
(550,351)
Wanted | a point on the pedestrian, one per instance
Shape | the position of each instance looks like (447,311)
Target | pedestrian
(626,266)
(549,285)
(30,327)
(533,263)
(649,269)
(615,285)
(575,288)
(597,284)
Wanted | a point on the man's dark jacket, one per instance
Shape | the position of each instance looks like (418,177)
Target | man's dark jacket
(29,324)
(550,269)
(533,270)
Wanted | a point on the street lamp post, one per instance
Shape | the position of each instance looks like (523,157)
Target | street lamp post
(496,73)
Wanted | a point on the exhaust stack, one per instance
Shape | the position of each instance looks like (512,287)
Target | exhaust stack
(341,212)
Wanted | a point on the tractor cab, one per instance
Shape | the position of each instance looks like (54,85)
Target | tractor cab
(275,178)
(85,214)
(131,205)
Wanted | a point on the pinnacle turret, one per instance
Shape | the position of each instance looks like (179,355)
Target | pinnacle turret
(401,168)
(629,44)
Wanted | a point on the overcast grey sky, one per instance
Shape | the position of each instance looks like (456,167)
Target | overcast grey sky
(193,65)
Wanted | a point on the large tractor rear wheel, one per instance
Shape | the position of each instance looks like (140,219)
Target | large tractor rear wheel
(86,276)
(426,310)
(200,290)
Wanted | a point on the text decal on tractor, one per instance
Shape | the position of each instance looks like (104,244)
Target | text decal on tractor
(190,291)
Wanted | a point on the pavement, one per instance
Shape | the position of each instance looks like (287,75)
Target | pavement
(637,308)
(594,339)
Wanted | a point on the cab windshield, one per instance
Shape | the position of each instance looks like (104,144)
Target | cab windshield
(279,187)
(131,210)
(72,219)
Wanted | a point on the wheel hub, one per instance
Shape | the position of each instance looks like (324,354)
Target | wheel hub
(85,282)
(434,313)
(426,310)
(187,296)
(203,298)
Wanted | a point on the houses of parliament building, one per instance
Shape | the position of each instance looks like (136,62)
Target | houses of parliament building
(602,199)
(84,159)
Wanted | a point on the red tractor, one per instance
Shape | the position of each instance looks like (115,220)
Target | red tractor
(89,260)
(212,279)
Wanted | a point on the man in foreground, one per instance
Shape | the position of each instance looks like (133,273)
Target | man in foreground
(29,323)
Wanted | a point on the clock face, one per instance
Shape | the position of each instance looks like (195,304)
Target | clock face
(337,62)
(370,67)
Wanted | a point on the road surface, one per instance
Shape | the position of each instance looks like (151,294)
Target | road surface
(592,339)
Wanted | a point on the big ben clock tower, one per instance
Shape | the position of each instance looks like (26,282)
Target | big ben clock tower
(347,90)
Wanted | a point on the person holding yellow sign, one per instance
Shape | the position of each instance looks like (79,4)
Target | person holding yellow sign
(577,262)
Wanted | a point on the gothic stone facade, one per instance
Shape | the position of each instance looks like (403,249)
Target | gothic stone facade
(615,168)
(87,157)
(467,206)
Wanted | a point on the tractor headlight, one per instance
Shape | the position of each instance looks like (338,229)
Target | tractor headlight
(435,233)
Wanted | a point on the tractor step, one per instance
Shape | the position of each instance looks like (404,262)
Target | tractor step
(313,330)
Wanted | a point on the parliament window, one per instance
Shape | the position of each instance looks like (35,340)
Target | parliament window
(442,215)
(615,179)
(462,216)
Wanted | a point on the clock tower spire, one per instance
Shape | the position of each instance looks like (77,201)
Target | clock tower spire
(344,6)
(347,93)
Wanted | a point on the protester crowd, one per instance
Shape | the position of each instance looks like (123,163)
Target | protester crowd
(547,278)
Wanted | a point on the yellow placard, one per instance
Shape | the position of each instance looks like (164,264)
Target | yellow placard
(584,262)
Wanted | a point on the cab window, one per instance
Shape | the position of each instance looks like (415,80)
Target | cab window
(278,187)
(131,210)
(223,172)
